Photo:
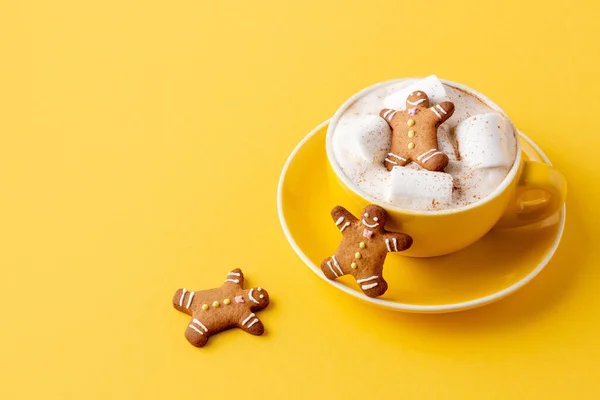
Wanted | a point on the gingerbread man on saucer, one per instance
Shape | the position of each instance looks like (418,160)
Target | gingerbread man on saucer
(364,246)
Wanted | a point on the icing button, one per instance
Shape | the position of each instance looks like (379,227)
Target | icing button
(226,301)
(410,122)
(411,145)
(357,255)
(205,307)
(362,245)
(353,265)
(216,304)
(411,133)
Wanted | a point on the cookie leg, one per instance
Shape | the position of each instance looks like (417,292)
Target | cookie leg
(196,333)
(433,160)
(331,268)
(395,160)
(251,324)
(373,286)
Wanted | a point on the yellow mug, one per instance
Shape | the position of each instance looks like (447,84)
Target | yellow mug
(531,192)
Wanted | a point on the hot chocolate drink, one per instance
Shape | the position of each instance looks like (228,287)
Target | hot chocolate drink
(478,140)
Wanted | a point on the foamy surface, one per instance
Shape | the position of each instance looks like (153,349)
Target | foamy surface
(469,184)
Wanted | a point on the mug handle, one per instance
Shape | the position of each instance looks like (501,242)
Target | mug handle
(541,191)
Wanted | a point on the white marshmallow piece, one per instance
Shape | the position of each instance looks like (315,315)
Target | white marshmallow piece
(431,85)
(366,137)
(486,141)
(419,189)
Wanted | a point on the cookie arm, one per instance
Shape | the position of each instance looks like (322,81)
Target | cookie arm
(183,300)
(251,324)
(443,111)
(342,218)
(388,114)
(235,278)
(395,242)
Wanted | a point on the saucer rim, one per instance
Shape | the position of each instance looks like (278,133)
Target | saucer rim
(439,308)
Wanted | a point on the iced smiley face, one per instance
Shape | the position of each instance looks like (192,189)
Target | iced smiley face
(373,218)
(418,98)
(258,297)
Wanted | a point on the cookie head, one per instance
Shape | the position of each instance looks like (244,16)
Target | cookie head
(259,298)
(373,217)
(417,98)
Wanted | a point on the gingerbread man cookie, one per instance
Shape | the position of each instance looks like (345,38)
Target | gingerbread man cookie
(414,133)
(364,246)
(215,310)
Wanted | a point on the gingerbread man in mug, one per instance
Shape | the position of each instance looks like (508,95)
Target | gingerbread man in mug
(414,133)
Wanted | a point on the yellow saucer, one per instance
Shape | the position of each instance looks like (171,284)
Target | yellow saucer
(494,267)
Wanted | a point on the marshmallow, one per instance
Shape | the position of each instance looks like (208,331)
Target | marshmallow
(486,140)
(366,137)
(419,189)
(430,85)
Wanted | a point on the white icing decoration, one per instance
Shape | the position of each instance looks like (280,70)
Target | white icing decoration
(418,93)
(253,322)
(200,324)
(259,288)
(347,224)
(366,215)
(396,156)
(435,112)
(424,154)
(182,296)
(385,114)
(431,156)
(441,109)
(387,243)
(375,225)
(390,161)
(367,279)
(391,116)
(232,280)
(329,265)
(190,300)
(234,273)
(196,329)
(252,298)
(339,221)
(375,219)
(337,265)
(395,244)
(416,103)
(248,318)
(262,296)
(369,286)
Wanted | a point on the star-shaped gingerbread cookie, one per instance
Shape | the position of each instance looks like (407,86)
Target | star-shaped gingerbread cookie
(218,309)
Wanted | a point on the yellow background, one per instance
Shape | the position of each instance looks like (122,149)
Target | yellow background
(141,145)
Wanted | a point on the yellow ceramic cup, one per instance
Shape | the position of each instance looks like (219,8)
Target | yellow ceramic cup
(531,192)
